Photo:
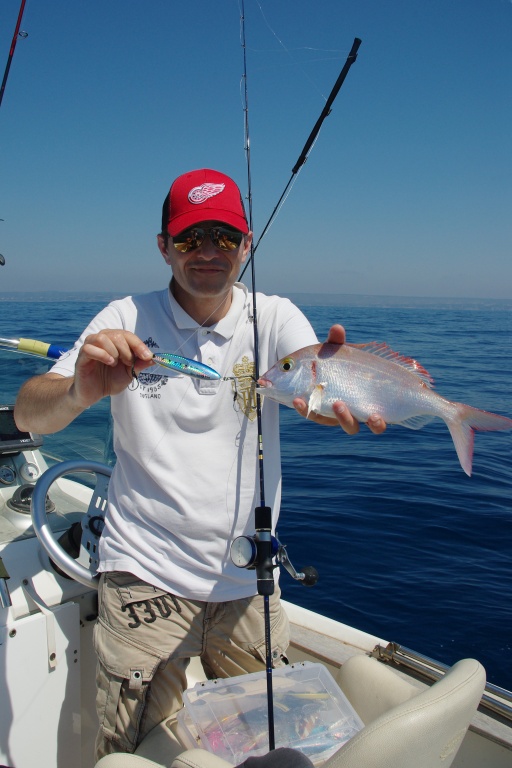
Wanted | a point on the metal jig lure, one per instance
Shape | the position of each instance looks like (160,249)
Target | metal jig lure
(187,366)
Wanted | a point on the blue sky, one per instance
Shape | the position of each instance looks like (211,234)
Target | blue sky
(408,190)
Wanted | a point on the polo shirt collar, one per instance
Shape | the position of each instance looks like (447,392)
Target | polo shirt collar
(226,326)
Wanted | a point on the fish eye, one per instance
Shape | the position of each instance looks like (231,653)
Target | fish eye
(288,364)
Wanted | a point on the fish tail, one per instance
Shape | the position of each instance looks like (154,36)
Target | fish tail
(462,426)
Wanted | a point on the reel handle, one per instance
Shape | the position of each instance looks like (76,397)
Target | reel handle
(256,552)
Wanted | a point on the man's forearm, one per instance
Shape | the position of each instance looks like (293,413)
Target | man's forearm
(46,404)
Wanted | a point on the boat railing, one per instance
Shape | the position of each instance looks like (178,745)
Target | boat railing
(495,699)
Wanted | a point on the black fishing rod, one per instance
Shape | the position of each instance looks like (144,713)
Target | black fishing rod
(326,111)
(263,546)
(11,51)
(262,514)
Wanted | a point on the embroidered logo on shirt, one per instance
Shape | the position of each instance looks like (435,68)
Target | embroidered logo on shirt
(244,387)
(151,343)
(150,383)
(205,191)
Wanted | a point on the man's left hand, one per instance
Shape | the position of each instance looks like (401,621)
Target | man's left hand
(341,414)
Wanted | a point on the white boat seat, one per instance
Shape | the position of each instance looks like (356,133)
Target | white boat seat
(123,760)
(200,758)
(157,750)
(373,688)
(404,728)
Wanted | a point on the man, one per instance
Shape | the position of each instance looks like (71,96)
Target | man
(185,483)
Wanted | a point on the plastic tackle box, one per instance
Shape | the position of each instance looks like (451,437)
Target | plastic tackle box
(229,717)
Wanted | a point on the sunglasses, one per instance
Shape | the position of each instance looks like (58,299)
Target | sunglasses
(225,238)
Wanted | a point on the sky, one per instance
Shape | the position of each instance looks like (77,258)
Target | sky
(407,191)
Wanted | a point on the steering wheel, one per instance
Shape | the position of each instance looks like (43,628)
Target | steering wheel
(84,568)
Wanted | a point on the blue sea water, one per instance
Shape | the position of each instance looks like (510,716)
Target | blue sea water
(407,546)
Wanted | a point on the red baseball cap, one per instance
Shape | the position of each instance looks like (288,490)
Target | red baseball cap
(200,196)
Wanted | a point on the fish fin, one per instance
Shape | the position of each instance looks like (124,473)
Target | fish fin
(463,437)
(416,422)
(381,349)
(315,399)
(462,429)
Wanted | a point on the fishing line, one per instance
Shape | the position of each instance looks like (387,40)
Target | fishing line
(287,51)
(308,146)
(282,200)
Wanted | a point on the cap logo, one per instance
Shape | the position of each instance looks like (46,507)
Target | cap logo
(204,192)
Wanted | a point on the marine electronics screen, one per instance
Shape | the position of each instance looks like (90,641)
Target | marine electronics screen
(11,438)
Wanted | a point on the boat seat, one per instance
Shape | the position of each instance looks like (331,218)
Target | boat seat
(404,728)
(373,688)
(200,758)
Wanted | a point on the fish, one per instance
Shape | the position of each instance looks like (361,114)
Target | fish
(372,378)
(185,365)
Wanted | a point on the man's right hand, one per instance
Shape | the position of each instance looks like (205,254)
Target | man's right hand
(106,363)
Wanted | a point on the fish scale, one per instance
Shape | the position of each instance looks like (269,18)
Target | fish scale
(364,382)
(373,379)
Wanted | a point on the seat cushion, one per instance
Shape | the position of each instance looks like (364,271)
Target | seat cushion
(124,760)
(278,758)
(161,745)
(199,758)
(372,688)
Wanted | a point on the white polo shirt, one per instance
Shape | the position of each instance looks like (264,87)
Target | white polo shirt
(186,479)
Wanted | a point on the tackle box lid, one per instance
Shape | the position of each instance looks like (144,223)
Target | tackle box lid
(229,717)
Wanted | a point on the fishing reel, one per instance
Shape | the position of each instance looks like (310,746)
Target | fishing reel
(259,551)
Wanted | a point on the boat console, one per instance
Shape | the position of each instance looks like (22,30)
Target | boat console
(47,663)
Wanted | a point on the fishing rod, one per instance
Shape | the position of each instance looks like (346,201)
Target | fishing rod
(326,111)
(262,514)
(33,347)
(258,551)
(11,50)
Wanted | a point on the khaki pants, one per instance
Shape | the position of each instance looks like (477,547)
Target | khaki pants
(144,639)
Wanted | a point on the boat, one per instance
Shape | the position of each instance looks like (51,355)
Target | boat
(51,513)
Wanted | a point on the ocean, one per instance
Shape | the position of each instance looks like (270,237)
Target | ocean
(407,546)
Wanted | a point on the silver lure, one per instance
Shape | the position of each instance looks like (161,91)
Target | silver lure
(185,365)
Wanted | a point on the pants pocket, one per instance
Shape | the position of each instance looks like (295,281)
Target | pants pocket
(124,676)
(126,603)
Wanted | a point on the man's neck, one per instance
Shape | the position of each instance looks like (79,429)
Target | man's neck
(204,310)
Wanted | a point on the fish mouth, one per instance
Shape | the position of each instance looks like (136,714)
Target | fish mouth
(263,384)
